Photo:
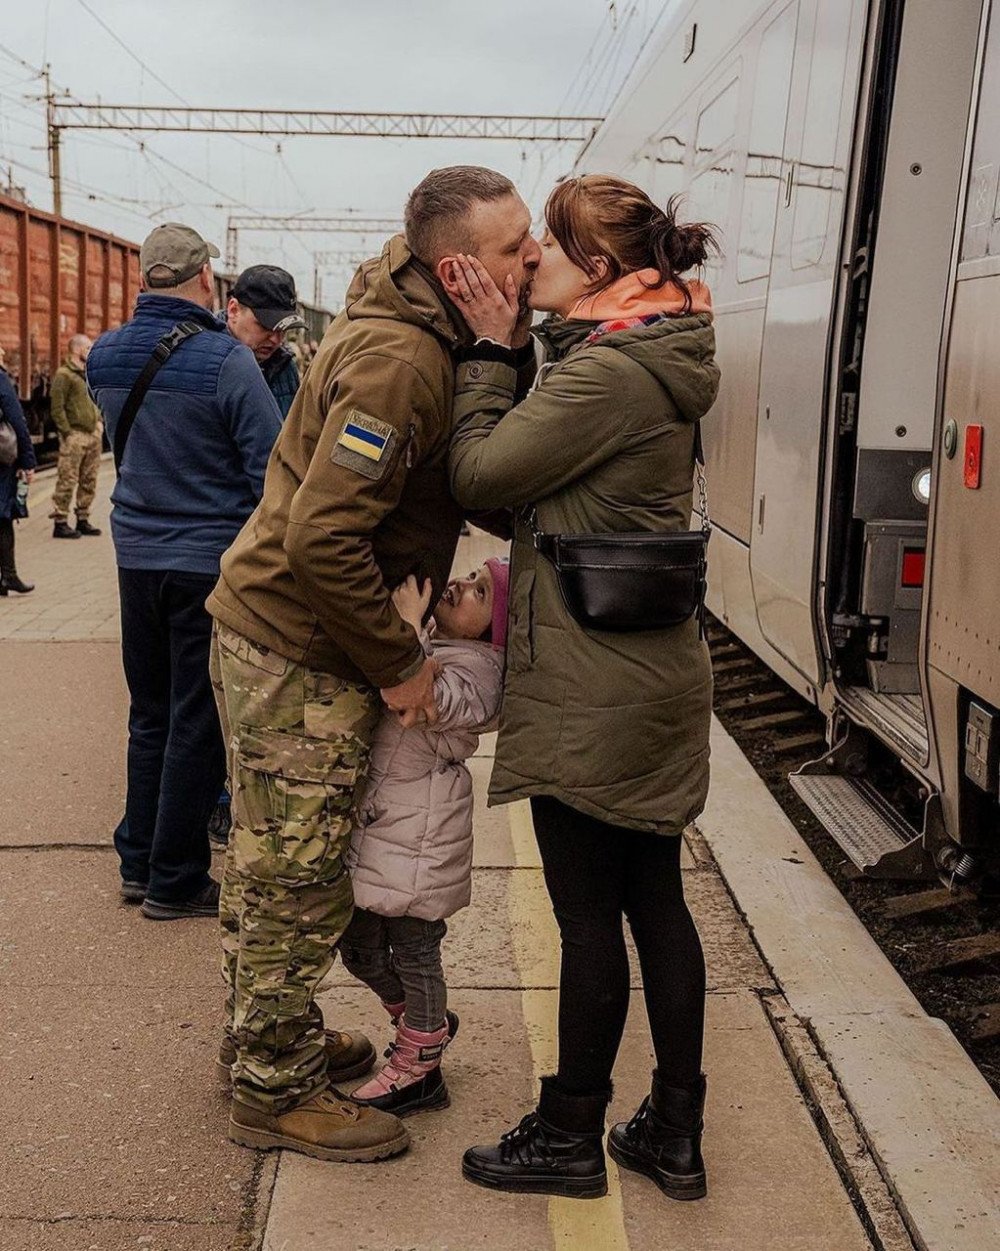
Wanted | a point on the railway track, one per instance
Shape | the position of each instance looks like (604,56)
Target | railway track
(945,943)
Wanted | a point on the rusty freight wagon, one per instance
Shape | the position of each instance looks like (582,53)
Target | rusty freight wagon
(57,278)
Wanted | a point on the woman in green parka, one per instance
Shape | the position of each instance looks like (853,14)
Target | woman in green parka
(605,733)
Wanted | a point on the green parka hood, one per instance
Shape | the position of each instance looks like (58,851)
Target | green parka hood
(398,286)
(679,352)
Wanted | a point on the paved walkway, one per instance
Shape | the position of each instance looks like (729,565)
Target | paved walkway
(115,1125)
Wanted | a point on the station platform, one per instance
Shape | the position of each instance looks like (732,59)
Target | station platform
(821,1076)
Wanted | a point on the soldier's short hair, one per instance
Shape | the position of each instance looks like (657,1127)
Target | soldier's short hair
(439,206)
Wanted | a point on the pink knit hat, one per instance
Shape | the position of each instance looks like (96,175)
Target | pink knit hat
(499,568)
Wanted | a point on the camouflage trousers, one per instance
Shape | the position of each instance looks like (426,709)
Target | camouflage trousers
(79,459)
(297,744)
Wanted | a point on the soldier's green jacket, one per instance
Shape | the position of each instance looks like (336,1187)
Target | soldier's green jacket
(615,725)
(72,407)
(356,493)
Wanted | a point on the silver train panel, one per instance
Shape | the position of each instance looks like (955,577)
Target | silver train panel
(963,627)
(920,195)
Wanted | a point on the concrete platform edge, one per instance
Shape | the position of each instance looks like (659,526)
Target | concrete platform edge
(880,1046)
(838,1128)
(266,1180)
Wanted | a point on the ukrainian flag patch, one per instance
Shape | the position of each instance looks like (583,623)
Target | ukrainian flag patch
(364,444)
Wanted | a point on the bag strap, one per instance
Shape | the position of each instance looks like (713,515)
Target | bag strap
(699,471)
(161,353)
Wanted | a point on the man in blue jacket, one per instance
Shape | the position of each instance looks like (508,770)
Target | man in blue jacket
(192,472)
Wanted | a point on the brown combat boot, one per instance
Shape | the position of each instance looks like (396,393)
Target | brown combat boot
(327,1126)
(347,1056)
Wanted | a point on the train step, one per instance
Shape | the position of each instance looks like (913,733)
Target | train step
(871,833)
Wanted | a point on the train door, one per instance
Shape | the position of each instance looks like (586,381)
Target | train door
(907,190)
(793,376)
(962,634)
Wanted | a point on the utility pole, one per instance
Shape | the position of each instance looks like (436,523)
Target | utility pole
(53,141)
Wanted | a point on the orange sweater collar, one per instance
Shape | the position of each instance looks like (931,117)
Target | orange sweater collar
(631,296)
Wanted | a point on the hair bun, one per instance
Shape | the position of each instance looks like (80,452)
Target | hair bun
(687,245)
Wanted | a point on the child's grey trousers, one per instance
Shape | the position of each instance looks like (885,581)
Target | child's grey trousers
(400,959)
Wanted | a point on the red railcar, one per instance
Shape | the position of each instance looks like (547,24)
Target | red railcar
(57,278)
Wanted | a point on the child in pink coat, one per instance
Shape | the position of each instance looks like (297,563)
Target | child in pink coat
(411,853)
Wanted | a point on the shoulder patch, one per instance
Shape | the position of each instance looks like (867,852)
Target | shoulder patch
(365,445)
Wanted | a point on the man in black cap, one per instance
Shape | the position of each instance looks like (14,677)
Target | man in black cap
(261,309)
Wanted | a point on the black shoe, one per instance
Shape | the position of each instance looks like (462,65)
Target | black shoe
(663,1139)
(133,892)
(11,582)
(204,904)
(556,1150)
(430,1092)
(219,825)
(62,531)
(3,588)
(84,527)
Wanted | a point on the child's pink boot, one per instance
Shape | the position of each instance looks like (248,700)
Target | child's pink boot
(411,1078)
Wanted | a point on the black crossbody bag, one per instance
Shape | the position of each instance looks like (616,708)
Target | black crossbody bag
(632,581)
(161,353)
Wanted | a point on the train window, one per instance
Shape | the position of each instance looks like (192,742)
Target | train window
(762,180)
(981,235)
(717,121)
(817,178)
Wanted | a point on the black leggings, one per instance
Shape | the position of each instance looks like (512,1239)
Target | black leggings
(596,873)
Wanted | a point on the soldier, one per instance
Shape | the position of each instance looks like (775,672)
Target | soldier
(356,499)
(75,417)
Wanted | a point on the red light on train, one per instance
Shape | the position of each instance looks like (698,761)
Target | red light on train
(913,566)
(973,456)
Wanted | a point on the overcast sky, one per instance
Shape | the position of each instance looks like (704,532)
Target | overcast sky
(469,56)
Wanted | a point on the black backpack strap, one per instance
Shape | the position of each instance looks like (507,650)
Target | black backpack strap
(699,450)
(171,340)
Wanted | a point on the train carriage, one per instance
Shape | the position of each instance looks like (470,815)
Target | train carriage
(849,152)
(59,278)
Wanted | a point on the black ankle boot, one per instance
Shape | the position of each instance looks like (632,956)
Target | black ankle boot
(556,1150)
(84,527)
(663,1139)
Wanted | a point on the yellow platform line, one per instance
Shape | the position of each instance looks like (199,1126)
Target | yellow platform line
(576,1224)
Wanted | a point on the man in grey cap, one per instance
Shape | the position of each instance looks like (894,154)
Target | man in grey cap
(191,467)
(261,309)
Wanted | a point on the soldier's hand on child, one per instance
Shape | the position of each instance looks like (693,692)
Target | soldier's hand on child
(413,700)
(412,601)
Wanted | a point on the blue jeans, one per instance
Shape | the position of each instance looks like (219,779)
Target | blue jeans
(176,757)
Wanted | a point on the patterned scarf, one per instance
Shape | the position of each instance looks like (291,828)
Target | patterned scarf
(625,323)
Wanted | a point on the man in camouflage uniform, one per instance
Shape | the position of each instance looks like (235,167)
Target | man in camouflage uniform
(75,417)
(355,499)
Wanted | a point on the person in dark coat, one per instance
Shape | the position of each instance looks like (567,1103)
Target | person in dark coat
(262,308)
(192,472)
(23,469)
(606,733)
